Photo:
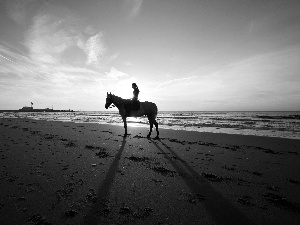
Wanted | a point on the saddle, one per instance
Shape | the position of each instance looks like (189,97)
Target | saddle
(132,105)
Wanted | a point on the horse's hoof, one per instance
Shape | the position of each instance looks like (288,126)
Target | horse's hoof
(148,136)
(156,138)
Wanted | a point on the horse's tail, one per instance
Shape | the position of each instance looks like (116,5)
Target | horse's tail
(155,110)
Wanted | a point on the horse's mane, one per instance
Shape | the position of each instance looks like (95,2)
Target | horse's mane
(119,99)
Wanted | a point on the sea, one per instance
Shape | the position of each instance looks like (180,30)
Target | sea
(272,124)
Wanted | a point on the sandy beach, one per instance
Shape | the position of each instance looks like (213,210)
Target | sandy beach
(83,173)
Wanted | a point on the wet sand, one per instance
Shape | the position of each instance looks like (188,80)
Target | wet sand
(68,173)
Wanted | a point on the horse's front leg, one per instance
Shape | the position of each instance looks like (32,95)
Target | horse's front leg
(125,125)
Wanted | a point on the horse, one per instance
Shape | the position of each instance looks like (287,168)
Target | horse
(146,108)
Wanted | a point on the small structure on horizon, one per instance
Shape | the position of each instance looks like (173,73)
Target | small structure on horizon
(30,109)
(26,109)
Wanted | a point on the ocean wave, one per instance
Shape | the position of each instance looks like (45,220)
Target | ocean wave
(290,117)
(283,124)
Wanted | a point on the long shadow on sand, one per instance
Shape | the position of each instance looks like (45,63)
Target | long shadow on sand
(100,207)
(220,209)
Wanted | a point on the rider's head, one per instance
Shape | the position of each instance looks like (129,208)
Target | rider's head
(134,85)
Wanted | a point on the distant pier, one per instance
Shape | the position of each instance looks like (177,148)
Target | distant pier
(31,109)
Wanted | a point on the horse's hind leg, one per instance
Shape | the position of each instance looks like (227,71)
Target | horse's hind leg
(156,126)
(125,126)
(151,126)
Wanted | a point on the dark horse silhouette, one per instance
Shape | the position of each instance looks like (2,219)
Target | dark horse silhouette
(146,108)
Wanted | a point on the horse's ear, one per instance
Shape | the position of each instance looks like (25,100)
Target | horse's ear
(110,93)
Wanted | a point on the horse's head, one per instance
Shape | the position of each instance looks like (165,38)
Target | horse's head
(108,100)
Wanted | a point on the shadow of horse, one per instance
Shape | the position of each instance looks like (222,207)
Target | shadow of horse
(100,206)
(220,209)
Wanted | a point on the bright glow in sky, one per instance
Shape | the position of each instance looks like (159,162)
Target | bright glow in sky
(183,54)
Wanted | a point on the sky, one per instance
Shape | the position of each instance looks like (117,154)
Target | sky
(203,55)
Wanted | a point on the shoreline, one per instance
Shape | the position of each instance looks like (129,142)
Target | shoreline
(83,173)
(217,130)
(235,131)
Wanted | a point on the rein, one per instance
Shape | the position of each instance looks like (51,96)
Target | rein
(112,100)
(119,100)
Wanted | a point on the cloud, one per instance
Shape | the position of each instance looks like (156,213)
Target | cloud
(16,67)
(127,63)
(94,49)
(51,40)
(265,80)
(111,58)
(61,86)
(46,69)
(135,7)
(18,10)
(76,70)
(48,37)
(90,30)
(15,63)
(264,77)
(282,64)
(115,74)
(51,34)
(176,82)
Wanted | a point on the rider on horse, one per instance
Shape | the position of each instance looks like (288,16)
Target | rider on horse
(134,105)
(136,92)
